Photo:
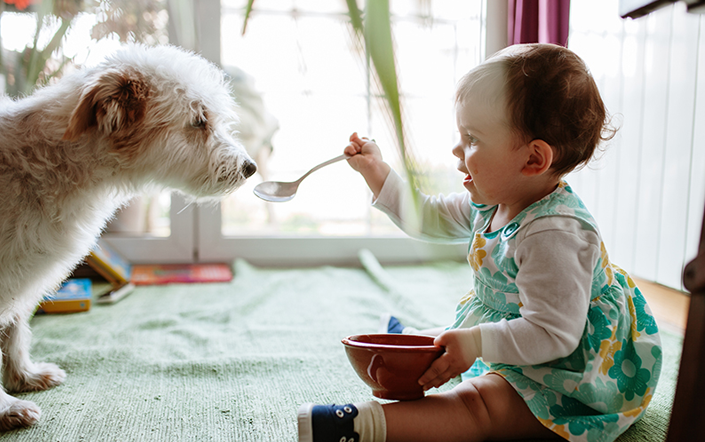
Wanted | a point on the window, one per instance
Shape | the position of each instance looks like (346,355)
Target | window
(155,228)
(315,81)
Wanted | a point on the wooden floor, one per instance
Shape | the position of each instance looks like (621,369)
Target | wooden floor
(669,306)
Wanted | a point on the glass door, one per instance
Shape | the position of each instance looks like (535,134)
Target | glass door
(313,78)
(306,83)
(155,227)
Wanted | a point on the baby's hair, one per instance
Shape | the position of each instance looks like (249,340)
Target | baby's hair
(550,95)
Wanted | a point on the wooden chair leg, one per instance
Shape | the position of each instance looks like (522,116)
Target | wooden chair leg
(688,415)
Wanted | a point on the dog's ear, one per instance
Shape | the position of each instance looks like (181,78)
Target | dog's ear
(112,103)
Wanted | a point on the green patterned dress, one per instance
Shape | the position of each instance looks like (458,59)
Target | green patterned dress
(605,385)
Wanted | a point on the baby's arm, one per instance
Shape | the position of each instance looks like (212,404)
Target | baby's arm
(443,219)
(366,158)
(439,218)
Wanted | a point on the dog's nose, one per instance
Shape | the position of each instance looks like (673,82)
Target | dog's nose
(249,168)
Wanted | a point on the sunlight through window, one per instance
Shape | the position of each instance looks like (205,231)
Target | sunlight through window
(313,79)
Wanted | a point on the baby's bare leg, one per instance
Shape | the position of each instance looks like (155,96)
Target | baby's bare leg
(479,409)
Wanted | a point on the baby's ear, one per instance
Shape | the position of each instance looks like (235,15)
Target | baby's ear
(540,158)
(111,104)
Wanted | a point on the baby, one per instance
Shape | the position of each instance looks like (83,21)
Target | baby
(571,347)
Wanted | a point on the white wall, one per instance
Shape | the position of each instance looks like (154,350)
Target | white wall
(648,189)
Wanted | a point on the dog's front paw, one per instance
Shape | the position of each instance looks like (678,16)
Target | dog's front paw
(42,376)
(15,413)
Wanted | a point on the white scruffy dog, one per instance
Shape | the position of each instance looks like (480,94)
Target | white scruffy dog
(73,153)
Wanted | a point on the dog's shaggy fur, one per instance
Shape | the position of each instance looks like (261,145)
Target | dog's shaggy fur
(73,153)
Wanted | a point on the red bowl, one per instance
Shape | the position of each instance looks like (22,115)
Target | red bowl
(391,364)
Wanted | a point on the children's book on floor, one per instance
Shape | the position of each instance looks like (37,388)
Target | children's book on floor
(105,265)
(73,296)
(180,273)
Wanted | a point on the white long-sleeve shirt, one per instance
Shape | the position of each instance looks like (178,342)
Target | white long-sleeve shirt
(555,256)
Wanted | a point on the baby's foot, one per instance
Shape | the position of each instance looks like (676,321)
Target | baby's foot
(322,423)
(361,422)
(390,324)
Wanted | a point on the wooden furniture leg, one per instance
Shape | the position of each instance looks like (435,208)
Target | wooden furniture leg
(688,415)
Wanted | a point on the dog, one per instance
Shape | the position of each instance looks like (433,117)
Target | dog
(256,128)
(73,153)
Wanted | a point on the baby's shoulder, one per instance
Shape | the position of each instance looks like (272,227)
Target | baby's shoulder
(560,206)
(551,225)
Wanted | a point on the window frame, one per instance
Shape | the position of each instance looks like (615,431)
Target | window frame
(196,230)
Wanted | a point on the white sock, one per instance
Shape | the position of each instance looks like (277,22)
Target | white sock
(410,331)
(370,423)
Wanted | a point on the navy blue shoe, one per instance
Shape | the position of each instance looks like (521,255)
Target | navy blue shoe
(389,324)
(327,423)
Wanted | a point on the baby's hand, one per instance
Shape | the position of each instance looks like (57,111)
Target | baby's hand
(363,153)
(366,158)
(356,143)
(462,347)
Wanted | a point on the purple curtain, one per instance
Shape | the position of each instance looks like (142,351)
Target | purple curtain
(538,21)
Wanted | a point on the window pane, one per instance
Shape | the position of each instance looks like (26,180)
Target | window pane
(315,82)
(148,214)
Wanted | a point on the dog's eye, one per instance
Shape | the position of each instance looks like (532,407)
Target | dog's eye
(199,123)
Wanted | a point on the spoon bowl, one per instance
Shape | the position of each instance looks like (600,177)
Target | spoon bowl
(276,191)
(280,192)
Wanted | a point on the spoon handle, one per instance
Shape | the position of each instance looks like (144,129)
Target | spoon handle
(331,161)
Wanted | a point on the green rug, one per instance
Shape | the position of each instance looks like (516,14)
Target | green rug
(233,361)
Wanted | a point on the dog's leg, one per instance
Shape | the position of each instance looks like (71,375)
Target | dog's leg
(16,413)
(19,373)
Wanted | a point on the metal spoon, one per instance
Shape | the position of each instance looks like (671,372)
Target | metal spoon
(279,192)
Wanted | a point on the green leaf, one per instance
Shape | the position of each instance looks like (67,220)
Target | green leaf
(378,37)
(355,15)
(380,46)
(248,10)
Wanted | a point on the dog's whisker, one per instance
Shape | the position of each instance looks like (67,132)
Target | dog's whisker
(185,207)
